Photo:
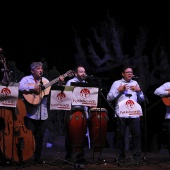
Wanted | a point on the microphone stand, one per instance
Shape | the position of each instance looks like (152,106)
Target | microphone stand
(100,157)
(145,123)
(101,144)
(117,116)
(145,127)
(41,89)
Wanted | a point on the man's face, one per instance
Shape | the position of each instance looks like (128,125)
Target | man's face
(128,74)
(81,73)
(38,71)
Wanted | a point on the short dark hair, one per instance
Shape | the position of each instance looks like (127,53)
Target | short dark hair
(125,67)
(76,68)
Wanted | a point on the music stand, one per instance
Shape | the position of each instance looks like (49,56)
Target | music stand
(84,84)
(13,84)
(101,145)
(60,88)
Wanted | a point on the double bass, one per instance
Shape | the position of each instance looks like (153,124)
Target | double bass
(16,141)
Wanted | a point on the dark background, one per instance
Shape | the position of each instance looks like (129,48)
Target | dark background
(31,31)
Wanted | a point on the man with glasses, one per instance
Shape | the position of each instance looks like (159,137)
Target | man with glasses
(120,90)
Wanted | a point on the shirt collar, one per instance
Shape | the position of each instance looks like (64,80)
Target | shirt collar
(124,81)
(77,80)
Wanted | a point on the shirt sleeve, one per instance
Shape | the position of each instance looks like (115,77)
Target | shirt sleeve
(25,85)
(113,93)
(162,90)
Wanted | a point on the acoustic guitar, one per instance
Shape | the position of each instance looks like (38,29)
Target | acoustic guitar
(35,98)
(166,101)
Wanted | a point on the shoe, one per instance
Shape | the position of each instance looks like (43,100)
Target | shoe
(81,160)
(121,157)
(80,155)
(101,160)
(137,159)
(39,161)
(68,157)
(107,145)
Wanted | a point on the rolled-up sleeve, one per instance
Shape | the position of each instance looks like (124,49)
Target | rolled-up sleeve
(162,90)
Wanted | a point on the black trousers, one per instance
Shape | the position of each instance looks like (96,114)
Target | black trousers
(164,134)
(134,131)
(38,128)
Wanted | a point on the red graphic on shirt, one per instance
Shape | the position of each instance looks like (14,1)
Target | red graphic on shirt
(61,96)
(5,92)
(130,104)
(84,93)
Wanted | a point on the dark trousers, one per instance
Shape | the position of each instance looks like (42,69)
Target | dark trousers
(38,128)
(134,131)
(166,124)
(164,136)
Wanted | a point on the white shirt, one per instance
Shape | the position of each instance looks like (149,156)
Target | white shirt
(38,111)
(162,92)
(114,94)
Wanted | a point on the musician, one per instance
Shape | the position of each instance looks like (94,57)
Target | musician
(120,90)
(80,77)
(164,92)
(36,113)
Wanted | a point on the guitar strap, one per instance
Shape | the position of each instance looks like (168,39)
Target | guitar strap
(35,80)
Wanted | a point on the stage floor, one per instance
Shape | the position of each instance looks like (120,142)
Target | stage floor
(55,159)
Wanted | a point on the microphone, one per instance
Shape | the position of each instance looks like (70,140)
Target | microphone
(128,95)
(135,77)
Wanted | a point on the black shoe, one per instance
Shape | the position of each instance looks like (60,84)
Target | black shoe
(107,145)
(80,155)
(121,157)
(137,159)
(80,158)
(101,160)
(39,161)
(81,161)
(68,157)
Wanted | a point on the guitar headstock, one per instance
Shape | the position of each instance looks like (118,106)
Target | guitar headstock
(70,73)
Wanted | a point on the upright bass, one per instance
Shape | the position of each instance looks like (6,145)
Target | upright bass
(16,141)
